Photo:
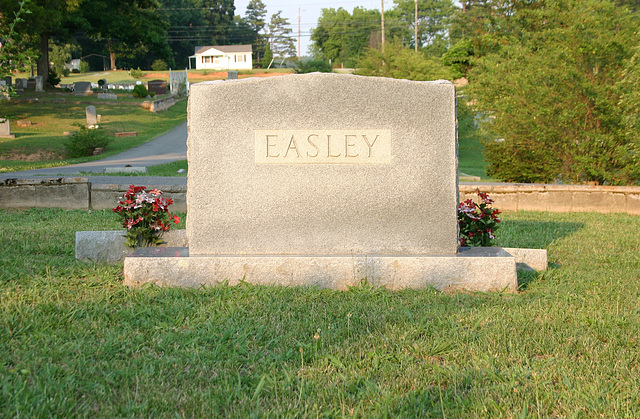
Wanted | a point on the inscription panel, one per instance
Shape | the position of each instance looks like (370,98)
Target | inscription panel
(322,146)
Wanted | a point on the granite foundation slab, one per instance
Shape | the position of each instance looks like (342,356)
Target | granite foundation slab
(473,269)
(109,247)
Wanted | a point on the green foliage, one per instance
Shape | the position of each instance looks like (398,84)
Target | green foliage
(13,56)
(53,78)
(136,73)
(61,54)
(311,66)
(399,62)
(432,23)
(140,91)
(84,67)
(279,36)
(159,65)
(459,57)
(552,98)
(82,143)
(268,56)
(341,37)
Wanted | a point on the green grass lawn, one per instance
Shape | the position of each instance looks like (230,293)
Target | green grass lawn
(75,342)
(42,143)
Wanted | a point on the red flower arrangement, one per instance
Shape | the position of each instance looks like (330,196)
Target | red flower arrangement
(478,222)
(145,215)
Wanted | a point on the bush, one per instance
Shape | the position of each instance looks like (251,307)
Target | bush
(82,143)
(53,78)
(159,65)
(84,67)
(136,73)
(312,66)
(140,91)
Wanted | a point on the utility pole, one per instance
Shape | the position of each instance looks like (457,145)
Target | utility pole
(299,34)
(382,14)
(415,28)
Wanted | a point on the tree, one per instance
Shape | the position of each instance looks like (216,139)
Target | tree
(13,54)
(280,40)
(47,18)
(551,95)
(343,37)
(255,17)
(61,54)
(432,23)
(128,27)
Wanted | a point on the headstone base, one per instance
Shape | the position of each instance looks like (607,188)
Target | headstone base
(473,269)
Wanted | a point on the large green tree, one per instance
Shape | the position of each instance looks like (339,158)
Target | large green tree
(280,40)
(342,37)
(255,16)
(47,19)
(551,94)
(432,19)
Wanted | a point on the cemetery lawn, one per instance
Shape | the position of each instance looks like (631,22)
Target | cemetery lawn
(42,144)
(75,342)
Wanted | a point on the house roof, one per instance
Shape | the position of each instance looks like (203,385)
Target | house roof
(227,49)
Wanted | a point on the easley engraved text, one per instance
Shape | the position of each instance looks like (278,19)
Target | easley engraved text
(322,146)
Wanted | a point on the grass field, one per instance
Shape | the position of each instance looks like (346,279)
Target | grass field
(75,342)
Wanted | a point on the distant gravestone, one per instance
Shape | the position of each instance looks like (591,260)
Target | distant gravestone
(107,96)
(21,84)
(82,87)
(31,84)
(178,83)
(159,87)
(7,81)
(5,129)
(92,116)
(39,84)
(232,75)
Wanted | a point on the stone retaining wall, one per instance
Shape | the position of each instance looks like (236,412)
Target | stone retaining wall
(558,198)
(79,193)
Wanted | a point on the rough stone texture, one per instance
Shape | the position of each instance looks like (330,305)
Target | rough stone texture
(481,269)
(107,96)
(67,193)
(92,117)
(559,198)
(82,87)
(406,207)
(109,247)
(160,104)
(178,83)
(39,84)
(5,129)
(106,196)
(530,259)
(159,87)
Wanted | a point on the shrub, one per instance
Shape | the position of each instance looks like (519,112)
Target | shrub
(140,91)
(53,78)
(82,143)
(312,66)
(84,67)
(159,65)
(136,73)
(477,222)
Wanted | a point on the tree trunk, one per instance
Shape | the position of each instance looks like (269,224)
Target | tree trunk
(112,55)
(43,61)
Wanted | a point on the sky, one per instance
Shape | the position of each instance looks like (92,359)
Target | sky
(310,11)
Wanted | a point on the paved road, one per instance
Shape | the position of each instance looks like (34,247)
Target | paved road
(167,148)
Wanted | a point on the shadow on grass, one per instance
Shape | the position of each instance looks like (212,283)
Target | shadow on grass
(534,234)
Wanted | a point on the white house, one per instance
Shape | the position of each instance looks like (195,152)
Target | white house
(222,57)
